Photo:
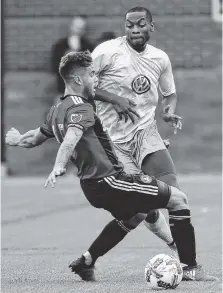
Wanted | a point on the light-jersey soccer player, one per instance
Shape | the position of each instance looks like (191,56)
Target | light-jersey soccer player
(130,70)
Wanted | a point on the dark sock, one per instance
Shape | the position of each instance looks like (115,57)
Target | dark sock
(110,236)
(183,235)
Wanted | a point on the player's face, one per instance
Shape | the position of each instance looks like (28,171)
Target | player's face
(90,82)
(137,29)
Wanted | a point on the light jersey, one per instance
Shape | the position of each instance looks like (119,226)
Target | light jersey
(132,75)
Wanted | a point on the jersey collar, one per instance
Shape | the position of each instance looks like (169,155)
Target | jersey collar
(64,97)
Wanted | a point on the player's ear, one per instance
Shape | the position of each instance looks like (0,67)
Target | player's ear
(152,26)
(77,79)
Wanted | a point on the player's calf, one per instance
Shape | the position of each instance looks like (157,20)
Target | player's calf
(181,228)
(184,236)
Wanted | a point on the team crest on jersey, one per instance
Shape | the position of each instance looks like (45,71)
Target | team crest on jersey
(141,84)
(146,178)
(75,118)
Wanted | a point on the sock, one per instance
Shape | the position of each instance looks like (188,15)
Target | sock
(88,258)
(110,236)
(183,235)
(161,229)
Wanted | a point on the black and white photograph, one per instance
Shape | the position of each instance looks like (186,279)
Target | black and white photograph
(111,146)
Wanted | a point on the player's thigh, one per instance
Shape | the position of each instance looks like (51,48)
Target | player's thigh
(160,165)
(133,194)
(124,156)
(147,141)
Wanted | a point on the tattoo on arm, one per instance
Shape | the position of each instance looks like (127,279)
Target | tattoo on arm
(67,147)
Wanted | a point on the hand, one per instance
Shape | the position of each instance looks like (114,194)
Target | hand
(57,171)
(124,109)
(174,120)
(13,137)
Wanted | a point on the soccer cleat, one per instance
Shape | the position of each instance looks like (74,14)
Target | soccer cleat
(196,273)
(86,272)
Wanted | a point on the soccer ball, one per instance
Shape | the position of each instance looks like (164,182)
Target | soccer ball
(163,272)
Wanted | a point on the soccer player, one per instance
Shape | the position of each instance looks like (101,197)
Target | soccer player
(74,124)
(129,69)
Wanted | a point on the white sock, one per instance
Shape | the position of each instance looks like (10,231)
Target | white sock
(160,228)
(88,258)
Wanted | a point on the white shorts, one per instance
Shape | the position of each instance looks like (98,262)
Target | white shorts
(144,142)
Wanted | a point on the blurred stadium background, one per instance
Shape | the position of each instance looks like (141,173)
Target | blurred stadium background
(184,29)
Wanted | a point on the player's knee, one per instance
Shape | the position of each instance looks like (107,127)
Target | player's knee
(134,221)
(178,200)
(152,216)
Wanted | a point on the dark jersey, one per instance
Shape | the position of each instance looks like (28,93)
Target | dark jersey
(94,155)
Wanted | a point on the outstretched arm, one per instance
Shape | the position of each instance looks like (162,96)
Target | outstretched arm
(72,137)
(123,106)
(30,139)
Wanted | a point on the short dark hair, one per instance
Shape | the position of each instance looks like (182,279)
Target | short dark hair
(141,9)
(74,60)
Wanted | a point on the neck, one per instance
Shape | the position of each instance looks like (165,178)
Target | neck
(138,49)
(74,92)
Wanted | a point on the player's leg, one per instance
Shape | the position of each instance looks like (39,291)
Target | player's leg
(149,143)
(115,231)
(158,222)
(180,219)
(121,198)
(184,236)
(160,165)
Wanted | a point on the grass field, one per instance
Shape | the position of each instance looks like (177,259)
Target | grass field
(44,229)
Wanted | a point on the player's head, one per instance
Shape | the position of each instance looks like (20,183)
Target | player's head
(138,27)
(77,71)
(77,26)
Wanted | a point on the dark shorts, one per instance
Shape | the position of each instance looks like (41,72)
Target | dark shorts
(126,195)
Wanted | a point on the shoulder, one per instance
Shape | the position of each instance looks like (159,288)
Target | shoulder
(77,104)
(159,55)
(109,47)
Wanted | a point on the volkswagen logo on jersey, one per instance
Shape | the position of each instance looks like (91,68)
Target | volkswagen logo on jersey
(141,84)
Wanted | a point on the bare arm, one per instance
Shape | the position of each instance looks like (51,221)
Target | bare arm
(104,96)
(30,139)
(168,110)
(72,137)
(122,105)
(67,147)
(170,100)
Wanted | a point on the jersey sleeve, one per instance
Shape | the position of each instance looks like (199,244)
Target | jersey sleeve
(81,116)
(166,81)
(102,58)
(46,127)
